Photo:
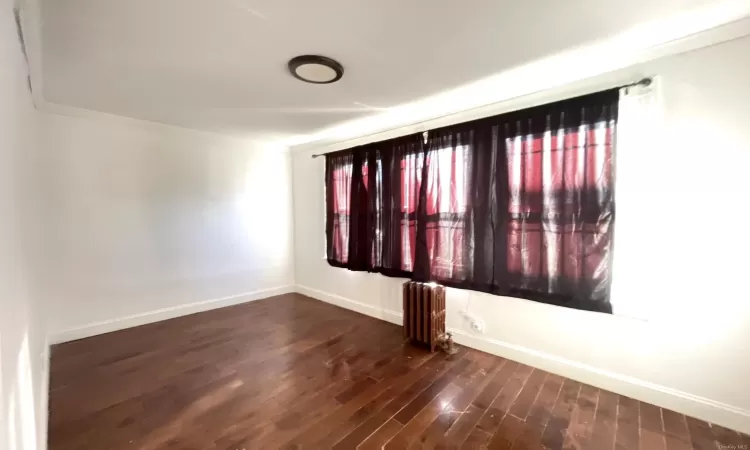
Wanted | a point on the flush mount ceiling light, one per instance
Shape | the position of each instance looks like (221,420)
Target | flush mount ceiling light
(316,69)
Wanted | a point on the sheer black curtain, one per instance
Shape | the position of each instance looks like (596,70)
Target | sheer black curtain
(396,186)
(561,201)
(338,179)
(519,204)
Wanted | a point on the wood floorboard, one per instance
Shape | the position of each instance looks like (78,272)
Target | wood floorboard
(605,422)
(294,373)
(581,426)
(652,428)
(511,379)
(434,434)
(626,437)
(508,430)
(554,433)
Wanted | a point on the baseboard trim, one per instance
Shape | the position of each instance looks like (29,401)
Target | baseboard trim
(692,405)
(695,406)
(43,413)
(158,315)
(363,308)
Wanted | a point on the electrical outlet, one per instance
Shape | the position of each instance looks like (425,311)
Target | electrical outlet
(476,325)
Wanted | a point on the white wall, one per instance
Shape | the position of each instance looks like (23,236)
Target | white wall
(681,254)
(145,222)
(21,335)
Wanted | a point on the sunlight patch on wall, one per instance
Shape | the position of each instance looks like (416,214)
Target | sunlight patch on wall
(264,207)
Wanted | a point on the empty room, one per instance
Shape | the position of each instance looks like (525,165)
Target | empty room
(293,224)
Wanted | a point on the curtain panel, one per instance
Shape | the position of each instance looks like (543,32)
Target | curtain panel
(520,204)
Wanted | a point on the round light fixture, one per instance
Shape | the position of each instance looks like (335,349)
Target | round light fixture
(315,69)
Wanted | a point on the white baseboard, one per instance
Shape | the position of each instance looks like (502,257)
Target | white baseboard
(699,407)
(692,405)
(363,308)
(43,414)
(158,315)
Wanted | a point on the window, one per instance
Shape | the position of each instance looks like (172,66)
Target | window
(446,211)
(560,209)
(338,204)
(519,204)
(445,205)
(411,182)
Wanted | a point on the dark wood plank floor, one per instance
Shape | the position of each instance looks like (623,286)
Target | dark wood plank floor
(293,372)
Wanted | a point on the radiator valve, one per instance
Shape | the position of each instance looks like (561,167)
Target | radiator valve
(446,343)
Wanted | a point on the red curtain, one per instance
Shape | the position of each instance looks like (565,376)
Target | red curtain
(519,204)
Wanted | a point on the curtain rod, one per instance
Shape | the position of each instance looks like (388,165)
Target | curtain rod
(642,82)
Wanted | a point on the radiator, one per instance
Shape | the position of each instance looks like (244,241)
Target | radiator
(424,313)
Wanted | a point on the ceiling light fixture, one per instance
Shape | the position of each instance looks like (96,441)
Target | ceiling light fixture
(315,69)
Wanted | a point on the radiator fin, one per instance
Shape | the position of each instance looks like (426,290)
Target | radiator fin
(424,312)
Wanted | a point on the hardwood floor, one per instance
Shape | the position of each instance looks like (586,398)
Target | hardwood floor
(293,372)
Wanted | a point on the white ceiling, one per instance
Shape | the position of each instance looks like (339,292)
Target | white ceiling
(220,65)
